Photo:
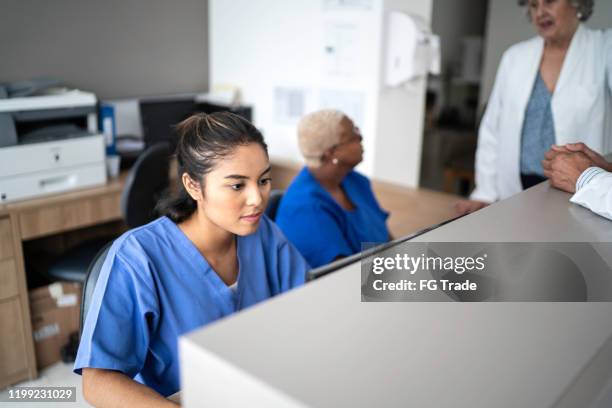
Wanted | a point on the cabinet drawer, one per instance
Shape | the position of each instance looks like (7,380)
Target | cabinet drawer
(12,342)
(75,214)
(8,278)
(6,239)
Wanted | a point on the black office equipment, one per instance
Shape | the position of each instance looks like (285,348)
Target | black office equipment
(342,262)
(160,116)
(93,272)
(145,185)
(147,180)
(241,110)
(273,202)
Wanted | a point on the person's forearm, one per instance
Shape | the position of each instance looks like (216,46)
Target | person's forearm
(107,388)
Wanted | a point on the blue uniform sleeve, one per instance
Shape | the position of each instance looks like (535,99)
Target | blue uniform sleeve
(365,190)
(123,312)
(317,235)
(293,265)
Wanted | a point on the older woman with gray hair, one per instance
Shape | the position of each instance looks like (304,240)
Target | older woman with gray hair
(552,89)
(329,209)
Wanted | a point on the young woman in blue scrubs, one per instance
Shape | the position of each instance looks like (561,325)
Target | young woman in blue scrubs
(329,210)
(213,252)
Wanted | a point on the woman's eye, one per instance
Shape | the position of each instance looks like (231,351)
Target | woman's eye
(265,181)
(236,187)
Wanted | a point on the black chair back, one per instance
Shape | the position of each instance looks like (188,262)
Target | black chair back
(145,184)
(273,203)
(147,181)
(93,272)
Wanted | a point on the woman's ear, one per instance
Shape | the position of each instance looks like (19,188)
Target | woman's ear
(327,155)
(192,187)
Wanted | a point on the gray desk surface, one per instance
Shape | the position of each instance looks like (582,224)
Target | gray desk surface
(321,346)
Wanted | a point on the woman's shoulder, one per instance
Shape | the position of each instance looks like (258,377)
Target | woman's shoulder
(134,245)
(303,183)
(519,49)
(359,178)
(269,233)
(303,193)
(605,33)
(605,36)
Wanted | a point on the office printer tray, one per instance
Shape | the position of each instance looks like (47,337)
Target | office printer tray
(32,170)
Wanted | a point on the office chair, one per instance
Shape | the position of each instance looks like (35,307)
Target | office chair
(145,184)
(93,272)
(273,203)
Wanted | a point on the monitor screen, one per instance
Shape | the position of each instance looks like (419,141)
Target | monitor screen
(160,116)
(341,263)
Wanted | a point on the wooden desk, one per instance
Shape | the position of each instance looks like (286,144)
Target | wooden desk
(36,218)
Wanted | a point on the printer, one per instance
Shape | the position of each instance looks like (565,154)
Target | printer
(49,140)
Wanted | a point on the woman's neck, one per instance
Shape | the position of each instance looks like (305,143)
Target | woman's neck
(562,42)
(209,239)
(330,176)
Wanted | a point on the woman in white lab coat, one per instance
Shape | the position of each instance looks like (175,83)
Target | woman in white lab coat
(552,89)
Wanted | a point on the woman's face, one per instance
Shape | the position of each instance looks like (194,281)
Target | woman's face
(553,19)
(349,150)
(236,191)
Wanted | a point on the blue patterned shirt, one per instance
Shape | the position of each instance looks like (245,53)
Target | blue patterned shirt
(538,129)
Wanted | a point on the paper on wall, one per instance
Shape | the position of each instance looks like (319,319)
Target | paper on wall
(352,103)
(342,49)
(289,104)
(347,4)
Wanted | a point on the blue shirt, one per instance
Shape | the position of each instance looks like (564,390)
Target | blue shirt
(155,285)
(538,129)
(320,228)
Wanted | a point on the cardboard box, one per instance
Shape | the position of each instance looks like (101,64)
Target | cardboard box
(55,313)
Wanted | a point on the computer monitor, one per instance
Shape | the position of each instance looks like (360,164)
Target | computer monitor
(159,117)
(208,107)
(341,263)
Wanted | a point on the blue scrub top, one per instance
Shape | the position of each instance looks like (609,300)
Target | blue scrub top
(320,228)
(155,285)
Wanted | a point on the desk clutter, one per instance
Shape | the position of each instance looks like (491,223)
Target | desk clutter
(141,123)
(54,139)
(55,315)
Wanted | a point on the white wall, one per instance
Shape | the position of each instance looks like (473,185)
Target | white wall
(401,117)
(507,24)
(261,45)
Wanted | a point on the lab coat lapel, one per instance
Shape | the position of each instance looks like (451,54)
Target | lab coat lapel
(567,78)
(522,78)
(570,61)
(526,78)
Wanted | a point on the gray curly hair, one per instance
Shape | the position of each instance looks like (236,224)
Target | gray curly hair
(584,8)
(317,132)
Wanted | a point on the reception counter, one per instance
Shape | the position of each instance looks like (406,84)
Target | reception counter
(321,346)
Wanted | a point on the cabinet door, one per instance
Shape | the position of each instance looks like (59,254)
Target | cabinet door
(6,239)
(8,279)
(13,356)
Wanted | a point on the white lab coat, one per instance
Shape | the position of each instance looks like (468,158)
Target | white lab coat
(596,195)
(581,107)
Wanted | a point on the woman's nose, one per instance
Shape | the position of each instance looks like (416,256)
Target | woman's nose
(255,197)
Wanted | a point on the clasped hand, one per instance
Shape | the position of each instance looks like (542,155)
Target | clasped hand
(563,165)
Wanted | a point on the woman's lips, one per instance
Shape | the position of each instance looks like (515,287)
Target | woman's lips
(252,218)
(544,25)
